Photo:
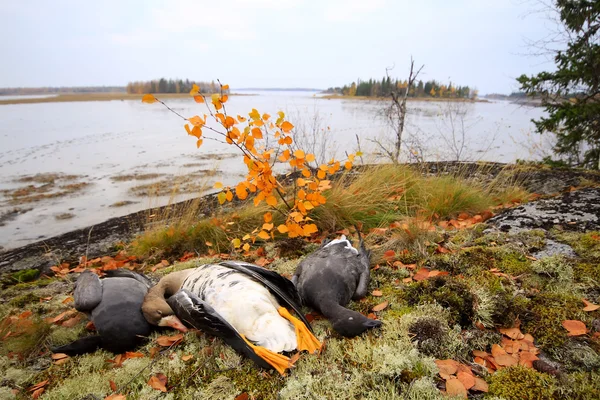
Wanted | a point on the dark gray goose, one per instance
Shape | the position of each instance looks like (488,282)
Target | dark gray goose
(114,305)
(330,277)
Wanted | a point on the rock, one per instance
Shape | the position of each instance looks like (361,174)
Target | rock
(575,211)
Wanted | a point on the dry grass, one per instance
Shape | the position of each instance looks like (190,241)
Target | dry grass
(372,198)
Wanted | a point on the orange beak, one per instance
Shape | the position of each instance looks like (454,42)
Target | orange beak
(173,322)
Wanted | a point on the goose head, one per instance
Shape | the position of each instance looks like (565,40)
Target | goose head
(352,323)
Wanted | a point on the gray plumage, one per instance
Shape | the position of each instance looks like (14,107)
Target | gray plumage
(332,276)
(114,306)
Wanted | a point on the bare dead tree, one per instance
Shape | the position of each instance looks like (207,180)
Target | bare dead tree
(395,114)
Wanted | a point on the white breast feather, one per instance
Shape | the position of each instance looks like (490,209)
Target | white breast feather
(247,305)
(343,239)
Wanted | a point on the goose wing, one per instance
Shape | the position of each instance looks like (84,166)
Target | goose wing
(125,273)
(282,288)
(191,310)
(88,292)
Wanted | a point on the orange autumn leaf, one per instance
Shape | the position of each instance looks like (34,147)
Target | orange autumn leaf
(377,293)
(575,328)
(468,380)
(187,357)
(282,229)
(116,396)
(113,386)
(271,200)
(513,333)
(158,382)
(448,367)
(167,341)
(264,235)
(389,254)
(480,385)
(148,98)
(454,387)
(380,306)
(268,217)
(299,154)
(199,99)
(589,306)
(286,127)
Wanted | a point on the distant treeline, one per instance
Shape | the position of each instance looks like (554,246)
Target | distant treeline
(62,89)
(384,88)
(512,96)
(171,86)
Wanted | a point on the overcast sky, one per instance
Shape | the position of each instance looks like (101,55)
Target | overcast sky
(265,43)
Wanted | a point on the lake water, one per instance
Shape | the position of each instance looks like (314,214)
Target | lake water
(97,141)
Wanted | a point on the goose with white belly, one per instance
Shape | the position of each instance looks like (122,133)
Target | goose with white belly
(242,303)
(330,277)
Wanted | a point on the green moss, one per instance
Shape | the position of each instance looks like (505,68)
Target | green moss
(521,383)
(587,273)
(586,245)
(576,356)
(547,312)
(451,293)
(29,341)
(24,299)
(26,275)
(513,263)
(581,386)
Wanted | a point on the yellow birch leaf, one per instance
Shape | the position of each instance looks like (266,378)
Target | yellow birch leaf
(282,228)
(267,226)
(221,197)
(257,133)
(271,200)
(264,235)
(236,243)
(286,126)
(308,205)
(240,191)
(246,247)
(148,98)
(309,229)
(195,90)
(218,185)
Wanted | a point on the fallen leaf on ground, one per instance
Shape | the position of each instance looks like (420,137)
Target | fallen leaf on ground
(480,385)
(506,360)
(454,387)
(447,366)
(377,293)
(243,396)
(113,386)
(167,341)
(513,333)
(188,357)
(497,350)
(158,382)
(575,328)
(466,379)
(116,396)
(380,306)
(421,274)
(589,306)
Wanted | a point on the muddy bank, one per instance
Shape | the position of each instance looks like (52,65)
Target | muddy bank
(577,210)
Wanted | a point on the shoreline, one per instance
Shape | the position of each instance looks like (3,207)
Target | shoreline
(368,98)
(78,97)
